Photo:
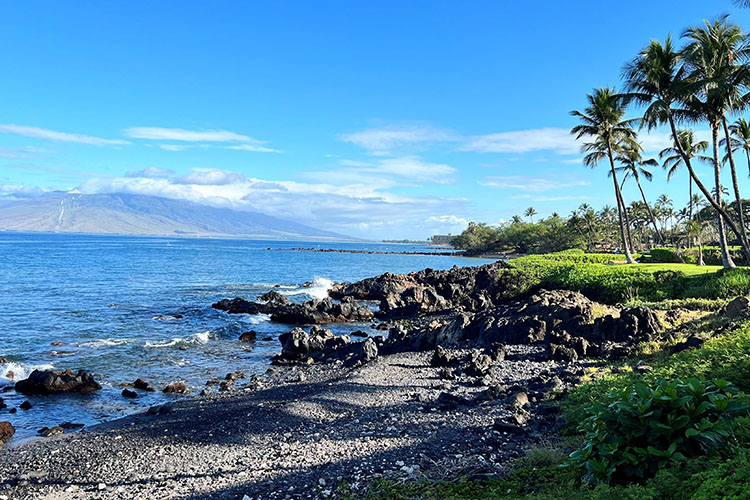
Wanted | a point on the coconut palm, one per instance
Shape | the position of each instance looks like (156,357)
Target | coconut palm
(603,122)
(714,56)
(672,159)
(740,138)
(656,79)
(530,213)
(634,166)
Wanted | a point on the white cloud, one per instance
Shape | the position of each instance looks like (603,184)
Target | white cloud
(527,183)
(211,177)
(385,139)
(387,172)
(357,210)
(197,136)
(253,147)
(180,134)
(558,140)
(448,219)
(153,172)
(52,135)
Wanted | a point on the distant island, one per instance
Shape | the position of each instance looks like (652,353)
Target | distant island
(59,212)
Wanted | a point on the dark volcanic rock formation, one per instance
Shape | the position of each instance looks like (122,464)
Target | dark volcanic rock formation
(428,291)
(50,382)
(311,312)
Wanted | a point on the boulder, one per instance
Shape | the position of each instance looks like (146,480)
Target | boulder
(738,308)
(50,382)
(368,350)
(127,393)
(249,336)
(143,385)
(441,357)
(6,431)
(26,405)
(479,364)
(175,388)
(692,342)
(562,353)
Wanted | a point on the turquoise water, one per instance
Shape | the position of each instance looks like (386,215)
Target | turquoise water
(103,296)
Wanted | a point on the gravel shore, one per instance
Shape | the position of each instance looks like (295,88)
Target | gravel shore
(296,433)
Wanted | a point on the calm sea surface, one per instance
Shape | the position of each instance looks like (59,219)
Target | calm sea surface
(109,299)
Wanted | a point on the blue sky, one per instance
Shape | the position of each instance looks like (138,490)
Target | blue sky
(381,119)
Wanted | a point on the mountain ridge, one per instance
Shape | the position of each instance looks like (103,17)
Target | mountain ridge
(124,213)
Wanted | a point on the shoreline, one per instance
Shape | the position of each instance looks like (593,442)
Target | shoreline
(297,435)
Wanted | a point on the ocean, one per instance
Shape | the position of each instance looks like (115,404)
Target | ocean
(125,307)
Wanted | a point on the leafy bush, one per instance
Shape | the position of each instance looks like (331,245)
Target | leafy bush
(646,429)
(666,255)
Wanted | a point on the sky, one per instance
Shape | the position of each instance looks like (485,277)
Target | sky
(379,120)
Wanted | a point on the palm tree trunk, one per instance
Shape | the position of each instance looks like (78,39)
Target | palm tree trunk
(690,207)
(620,208)
(747,153)
(650,213)
(702,186)
(726,259)
(736,186)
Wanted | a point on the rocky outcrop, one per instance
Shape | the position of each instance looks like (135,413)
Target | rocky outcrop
(311,312)
(299,346)
(50,382)
(175,388)
(429,291)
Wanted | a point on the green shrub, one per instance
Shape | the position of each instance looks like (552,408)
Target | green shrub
(646,429)
(666,255)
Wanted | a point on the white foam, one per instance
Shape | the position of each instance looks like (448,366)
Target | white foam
(257,319)
(196,338)
(318,289)
(103,343)
(21,371)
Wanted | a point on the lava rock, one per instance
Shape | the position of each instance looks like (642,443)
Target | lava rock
(249,336)
(441,357)
(738,308)
(6,431)
(26,405)
(142,385)
(176,388)
(50,382)
(127,393)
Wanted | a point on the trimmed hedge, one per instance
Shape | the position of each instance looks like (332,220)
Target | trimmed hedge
(615,284)
(711,255)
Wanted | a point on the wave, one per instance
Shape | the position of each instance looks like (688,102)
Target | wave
(257,319)
(196,338)
(317,290)
(103,343)
(20,371)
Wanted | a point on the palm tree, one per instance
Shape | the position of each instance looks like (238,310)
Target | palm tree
(740,138)
(695,231)
(713,56)
(656,78)
(602,121)
(633,166)
(530,213)
(673,159)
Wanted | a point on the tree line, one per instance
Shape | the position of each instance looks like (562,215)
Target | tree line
(705,81)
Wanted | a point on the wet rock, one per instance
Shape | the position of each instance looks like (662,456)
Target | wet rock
(51,431)
(310,312)
(127,393)
(26,405)
(56,343)
(249,336)
(359,333)
(234,376)
(441,357)
(176,388)
(50,382)
(738,308)
(6,431)
(142,385)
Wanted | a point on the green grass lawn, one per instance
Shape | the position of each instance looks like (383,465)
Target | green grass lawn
(688,269)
